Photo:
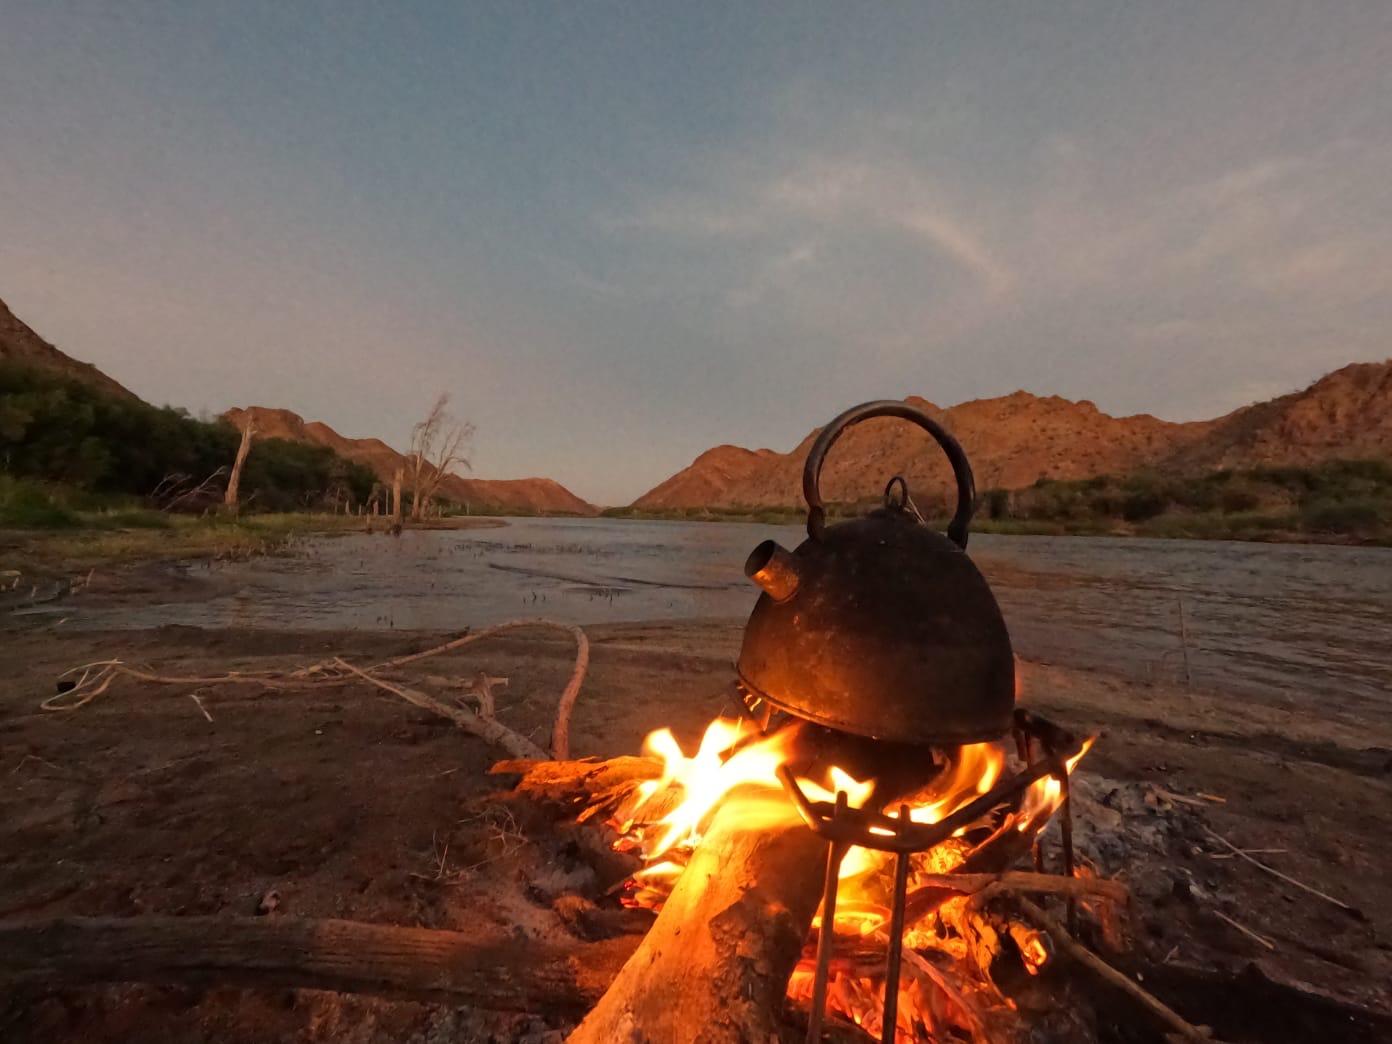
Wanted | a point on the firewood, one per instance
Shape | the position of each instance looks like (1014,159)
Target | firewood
(484,967)
(715,964)
(568,783)
(1085,958)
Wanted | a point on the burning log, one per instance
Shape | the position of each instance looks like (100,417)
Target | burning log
(715,965)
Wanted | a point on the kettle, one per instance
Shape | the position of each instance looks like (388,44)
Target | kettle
(880,626)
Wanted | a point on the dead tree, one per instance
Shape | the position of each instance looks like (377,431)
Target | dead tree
(234,481)
(396,501)
(438,446)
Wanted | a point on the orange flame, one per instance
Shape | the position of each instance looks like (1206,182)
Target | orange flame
(733,762)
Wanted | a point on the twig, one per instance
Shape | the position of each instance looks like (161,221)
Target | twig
(34,757)
(194,697)
(1183,799)
(1104,971)
(1184,645)
(97,677)
(1250,851)
(1263,940)
(1284,877)
(560,733)
(484,728)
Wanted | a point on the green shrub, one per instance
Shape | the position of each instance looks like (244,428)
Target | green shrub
(1348,517)
(1142,505)
(27,504)
(57,430)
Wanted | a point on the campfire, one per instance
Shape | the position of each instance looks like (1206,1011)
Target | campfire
(961,955)
(843,847)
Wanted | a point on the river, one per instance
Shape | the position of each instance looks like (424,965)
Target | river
(1285,623)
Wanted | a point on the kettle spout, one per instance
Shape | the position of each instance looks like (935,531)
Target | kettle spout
(774,569)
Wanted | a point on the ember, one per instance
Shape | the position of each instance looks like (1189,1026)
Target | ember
(954,945)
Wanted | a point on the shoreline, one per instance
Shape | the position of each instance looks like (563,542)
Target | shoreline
(1174,529)
(45,555)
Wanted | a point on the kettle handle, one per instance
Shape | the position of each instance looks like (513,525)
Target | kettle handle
(961,468)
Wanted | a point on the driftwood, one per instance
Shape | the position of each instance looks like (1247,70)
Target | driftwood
(484,967)
(714,966)
(484,727)
(96,678)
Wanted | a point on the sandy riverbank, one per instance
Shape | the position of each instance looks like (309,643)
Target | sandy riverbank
(340,800)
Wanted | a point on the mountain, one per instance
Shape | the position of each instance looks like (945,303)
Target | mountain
(1015,439)
(1345,414)
(529,495)
(20,344)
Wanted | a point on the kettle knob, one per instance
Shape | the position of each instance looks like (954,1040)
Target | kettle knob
(961,467)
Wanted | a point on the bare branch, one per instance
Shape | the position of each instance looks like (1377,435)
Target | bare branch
(439,445)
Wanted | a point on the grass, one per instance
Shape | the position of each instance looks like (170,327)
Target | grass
(49,524)
(183,536)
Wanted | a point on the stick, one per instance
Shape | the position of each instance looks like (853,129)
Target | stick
(1284,877)
(91,685)
(483,967)
(1104,971)
(1180,799)
(194,697)
(484,728)
(1184,645)
(560,733)
(1243,929)
(1016,881)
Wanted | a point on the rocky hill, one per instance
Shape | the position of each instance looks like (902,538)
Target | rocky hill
(1014,440)
(528,495)
(20,344)
(1345,414)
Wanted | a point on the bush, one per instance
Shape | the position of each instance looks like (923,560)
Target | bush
(1347,517)
(58,430)
(1143,505)
(29,505)
(1232,501)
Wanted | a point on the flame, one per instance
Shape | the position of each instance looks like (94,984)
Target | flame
(667,817)
(1045,796)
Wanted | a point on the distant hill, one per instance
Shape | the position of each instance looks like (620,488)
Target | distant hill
(1345,414)
(529,495)
(20,344)
(1014,440)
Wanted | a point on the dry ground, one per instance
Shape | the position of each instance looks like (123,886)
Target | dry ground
(343,802)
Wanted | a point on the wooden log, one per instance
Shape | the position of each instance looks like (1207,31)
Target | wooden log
(484,967)
(569,784)
(714,967)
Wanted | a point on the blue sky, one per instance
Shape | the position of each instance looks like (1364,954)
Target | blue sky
(620,234)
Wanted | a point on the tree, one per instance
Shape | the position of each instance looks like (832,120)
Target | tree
(438,446)
(234,483)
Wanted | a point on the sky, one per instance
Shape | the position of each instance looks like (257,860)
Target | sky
(619,234)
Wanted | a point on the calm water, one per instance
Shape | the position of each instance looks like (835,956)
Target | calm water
(1290,623)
